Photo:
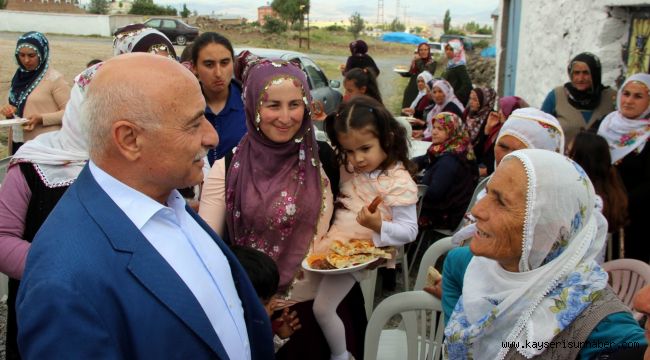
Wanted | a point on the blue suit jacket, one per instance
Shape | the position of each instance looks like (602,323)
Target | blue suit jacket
(95,288)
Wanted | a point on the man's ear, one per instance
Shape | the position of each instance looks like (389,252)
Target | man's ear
(127,138)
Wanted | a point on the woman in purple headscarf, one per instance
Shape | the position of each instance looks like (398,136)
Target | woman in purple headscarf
(488,136)
(275,196)
(359,58)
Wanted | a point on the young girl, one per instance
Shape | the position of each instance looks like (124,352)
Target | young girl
(372,147)
(361,82)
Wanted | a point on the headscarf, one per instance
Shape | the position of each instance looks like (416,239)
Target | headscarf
(59,156)
(358,47)
(474,120)
(426,76)
(558,275)
(274,191)
(458,142)
(448,90)
(459,54)
(25,81)
(590,98)
(507,104)
(535,128)
(626,135)
(139,38)
(414,70)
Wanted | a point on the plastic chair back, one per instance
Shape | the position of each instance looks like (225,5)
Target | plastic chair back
(627,277)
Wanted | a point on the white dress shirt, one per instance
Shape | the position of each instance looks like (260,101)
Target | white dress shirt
(191,252)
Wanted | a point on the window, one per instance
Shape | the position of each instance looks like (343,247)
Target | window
(168,24)
(316,76)
(153,23)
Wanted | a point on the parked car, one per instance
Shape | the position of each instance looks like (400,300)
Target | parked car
(320,87)
(177,31)
(468,44)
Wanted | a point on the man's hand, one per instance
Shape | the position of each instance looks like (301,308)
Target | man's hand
(436,289)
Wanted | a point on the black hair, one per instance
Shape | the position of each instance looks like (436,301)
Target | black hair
(363,112)
(208,38)
(93,62)
(261,270)
(365,77)
(591,152)
(186,55)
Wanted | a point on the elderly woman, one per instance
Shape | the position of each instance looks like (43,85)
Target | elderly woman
(38,92)
(456,72)
(627,131)
(582,101)
(275,196)
(529,283)
(444,100)
(422,61)
(481,104)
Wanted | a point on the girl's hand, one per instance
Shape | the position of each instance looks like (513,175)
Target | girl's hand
(8,111)
(32,122)
(370,220)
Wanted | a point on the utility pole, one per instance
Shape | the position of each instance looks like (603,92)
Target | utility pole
(397,10)
(380,12)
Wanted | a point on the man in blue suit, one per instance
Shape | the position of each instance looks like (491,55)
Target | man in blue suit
(122,269)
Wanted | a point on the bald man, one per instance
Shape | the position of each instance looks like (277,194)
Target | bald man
(122,269)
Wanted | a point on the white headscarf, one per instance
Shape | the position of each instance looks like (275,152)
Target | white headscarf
(59,156)
(448,90)
(626,135)
(426,76)
(535,128)
(138,38)
(558,276)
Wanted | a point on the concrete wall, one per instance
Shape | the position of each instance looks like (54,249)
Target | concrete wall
(551,33)
(70,24)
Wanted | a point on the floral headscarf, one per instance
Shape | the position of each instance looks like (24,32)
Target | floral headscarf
(558,275)
(59,156)
(358,47)
(474,121)
(458,142)
(587,99)
(535,128)
(25,81)
(274,191)
(415,70)
(139,38)
(626,135)
(459,54)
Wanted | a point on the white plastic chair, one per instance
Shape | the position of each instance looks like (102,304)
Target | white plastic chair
(420,333)
(626,277)
(430,257)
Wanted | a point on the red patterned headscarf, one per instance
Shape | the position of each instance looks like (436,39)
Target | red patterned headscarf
(458,142)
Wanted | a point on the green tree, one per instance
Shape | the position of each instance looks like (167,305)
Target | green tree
(395,25)
(147,7)
(446,22)
(98,7)
(3,4)
(291,11)
(356,24)
(185,12)
(418,29)
(273,25)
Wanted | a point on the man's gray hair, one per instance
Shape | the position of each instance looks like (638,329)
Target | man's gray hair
(116,101)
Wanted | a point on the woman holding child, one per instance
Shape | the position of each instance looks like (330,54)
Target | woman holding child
(275,196)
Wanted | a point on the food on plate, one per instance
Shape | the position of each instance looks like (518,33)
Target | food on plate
(375,202)
(343,255)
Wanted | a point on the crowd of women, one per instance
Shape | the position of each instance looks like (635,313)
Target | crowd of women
(538,229)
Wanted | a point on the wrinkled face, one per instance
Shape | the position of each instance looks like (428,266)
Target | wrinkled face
(214,68)
(423,51)
(28,58)
(351,89)
(421,84)
(581,76)
(174,152)
(438,95)
(634,100)
(362,149)
(474,104)
(439,133)
(500,216)
(642,305)
(282,111)
(505,145)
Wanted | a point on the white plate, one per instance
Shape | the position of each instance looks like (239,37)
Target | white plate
(401,70)
(418,148)
(410,119)
(306,266)
(11,122)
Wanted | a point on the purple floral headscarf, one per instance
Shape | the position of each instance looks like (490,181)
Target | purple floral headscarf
(274,192)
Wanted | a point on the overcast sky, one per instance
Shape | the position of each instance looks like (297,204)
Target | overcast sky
(417,11)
